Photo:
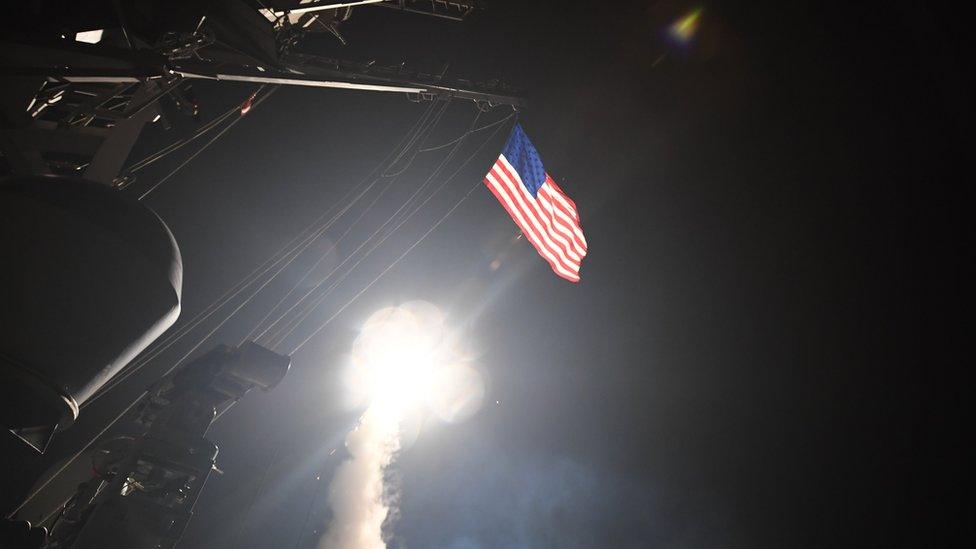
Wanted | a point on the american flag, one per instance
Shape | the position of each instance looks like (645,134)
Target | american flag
(547,217)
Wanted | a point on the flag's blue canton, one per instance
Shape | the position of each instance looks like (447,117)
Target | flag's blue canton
(521,154)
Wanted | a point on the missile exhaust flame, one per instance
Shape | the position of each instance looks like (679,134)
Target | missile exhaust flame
(403,360)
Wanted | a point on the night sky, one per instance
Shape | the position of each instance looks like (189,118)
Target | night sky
(762,349)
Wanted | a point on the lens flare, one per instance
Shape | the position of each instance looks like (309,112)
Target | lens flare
(396,354)
(683,30)
(457,392)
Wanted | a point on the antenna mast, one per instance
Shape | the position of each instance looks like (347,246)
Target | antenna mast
(78,92)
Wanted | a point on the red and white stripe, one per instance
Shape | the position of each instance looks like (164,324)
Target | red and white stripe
(548,220)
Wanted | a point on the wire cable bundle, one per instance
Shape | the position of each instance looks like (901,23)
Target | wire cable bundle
(276,332)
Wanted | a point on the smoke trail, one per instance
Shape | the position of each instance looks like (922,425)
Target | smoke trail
(358,496)
(402,360)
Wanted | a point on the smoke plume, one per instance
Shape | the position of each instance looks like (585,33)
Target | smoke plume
(402,362)
(358,496)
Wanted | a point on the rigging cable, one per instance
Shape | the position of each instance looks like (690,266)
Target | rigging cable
(416,131)
(266,266)
(310,270)
(176,145)
(175,365)
(476,130)
(437,119)
(318,286)
(316,301)
(196,153)
(319,261)
(404,254)
(391,219)
(279,339)
(155,351)
(138,399)
(286,329)
(179,362)
(300,247)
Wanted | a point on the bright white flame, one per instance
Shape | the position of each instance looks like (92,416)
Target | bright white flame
(403,361)
(396,355)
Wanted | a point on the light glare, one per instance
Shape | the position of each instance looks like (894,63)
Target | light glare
(404,359)
(683,30)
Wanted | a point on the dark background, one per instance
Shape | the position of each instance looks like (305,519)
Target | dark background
(764,349)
